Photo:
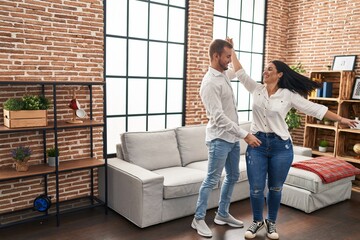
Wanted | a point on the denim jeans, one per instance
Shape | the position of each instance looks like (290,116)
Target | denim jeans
(270,161)
(221,154)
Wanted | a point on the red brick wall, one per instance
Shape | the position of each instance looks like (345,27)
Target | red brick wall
(50,41)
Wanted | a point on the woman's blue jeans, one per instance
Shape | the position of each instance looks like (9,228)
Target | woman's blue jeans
(221,154)
(272,161)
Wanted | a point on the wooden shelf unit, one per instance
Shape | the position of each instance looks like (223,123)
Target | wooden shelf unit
(9,173)
(341,138)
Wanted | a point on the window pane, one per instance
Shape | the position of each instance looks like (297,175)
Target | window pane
(175,96)
(259,11)
(173,120)
(247,10)
(180,3)
(220,7)
(160,1)
(157,90)
(258,39)
(115,126)
(234,32)
(246,36)
(219,28)
(156,122)
(245,59)
(115,96)
(244,116)
(257,67)
(177,25)
(243,98)
(115,56)
(158,27)
(157,59)
(137,124)
(137,96)
(116,15)
(137,58)
(138,19)
(234,8)
(176,61)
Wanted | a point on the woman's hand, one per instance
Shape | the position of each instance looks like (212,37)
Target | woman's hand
(349,122)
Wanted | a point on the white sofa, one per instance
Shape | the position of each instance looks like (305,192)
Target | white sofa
(157,175)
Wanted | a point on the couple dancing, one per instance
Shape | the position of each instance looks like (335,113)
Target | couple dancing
(269,153)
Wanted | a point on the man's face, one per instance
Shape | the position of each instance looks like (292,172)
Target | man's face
(224,59)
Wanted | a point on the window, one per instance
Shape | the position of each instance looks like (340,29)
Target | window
(244,21)
(144,66)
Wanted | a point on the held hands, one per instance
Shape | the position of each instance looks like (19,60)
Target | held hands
(252,140)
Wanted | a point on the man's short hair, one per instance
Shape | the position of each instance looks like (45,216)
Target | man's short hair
(217,46)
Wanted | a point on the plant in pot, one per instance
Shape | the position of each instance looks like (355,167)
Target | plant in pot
(292,119)
(28,111)
(323,145)
(51,154)
(327,121)
(21,156)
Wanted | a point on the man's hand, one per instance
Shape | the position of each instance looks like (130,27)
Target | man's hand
(252,140)
(230,40)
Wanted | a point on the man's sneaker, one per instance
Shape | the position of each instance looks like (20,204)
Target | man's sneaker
(229,220)
(253,229)
(271,229)
(201,227)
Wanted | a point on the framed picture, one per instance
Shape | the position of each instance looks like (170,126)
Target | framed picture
(356,89)
(344,63)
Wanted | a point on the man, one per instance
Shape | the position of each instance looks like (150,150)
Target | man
(222,137)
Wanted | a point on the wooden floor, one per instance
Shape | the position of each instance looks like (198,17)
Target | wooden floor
(340,221)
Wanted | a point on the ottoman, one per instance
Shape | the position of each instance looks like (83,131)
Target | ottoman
(305,190)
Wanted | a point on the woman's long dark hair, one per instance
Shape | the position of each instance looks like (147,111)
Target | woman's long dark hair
(294,81)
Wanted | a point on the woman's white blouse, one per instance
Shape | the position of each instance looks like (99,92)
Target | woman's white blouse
(269,112)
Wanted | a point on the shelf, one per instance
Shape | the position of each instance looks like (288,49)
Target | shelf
(322,126)
(8,173)
(329,154)
(349,130)
(349,158)
(324,99)
(60,125)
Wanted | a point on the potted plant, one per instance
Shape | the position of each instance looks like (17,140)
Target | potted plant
(28,111)
(327,121)
(51,154)
(292,119)
(21,155)
(323,145)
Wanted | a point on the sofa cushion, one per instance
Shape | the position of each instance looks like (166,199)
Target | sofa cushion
(181,181)
(308,180)
(192,146)
(151,150)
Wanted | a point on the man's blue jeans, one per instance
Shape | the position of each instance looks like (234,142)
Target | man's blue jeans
(221,154)
(272,160)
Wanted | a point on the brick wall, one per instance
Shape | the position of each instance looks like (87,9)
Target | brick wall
(51,41)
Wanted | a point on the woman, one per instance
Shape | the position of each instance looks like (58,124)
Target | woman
(282,89)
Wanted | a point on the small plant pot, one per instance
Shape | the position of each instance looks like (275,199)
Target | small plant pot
(328,123)
(51,161)
(21,166)
(322,149)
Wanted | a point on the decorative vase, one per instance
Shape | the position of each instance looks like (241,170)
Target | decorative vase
(22,166)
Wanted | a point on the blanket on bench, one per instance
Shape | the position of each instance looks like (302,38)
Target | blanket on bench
(329,169)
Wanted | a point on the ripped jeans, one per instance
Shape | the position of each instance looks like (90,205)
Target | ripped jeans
(271,161)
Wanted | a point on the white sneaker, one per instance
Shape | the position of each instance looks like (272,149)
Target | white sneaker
(254,228)
(201,227)
(229,220)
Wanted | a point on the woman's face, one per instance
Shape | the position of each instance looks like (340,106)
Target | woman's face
(271,75)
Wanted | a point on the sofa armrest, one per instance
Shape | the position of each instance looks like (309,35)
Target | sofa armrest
(303,151)
(134,192)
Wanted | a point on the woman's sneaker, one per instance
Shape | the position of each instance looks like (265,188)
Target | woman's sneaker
(271,229)
(253,229)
